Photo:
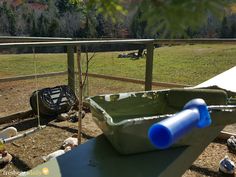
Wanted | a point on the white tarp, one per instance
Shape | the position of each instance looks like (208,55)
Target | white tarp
(225,80)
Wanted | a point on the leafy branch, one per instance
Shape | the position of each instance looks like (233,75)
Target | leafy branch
(164,17)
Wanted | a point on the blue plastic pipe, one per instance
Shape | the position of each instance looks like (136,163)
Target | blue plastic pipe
(195,114)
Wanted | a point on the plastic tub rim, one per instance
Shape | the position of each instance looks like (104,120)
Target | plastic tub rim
(109,119)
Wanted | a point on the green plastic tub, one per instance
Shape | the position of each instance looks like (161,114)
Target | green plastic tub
(126,117)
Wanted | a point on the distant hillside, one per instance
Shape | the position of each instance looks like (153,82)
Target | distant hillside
(35,5)
(59,18)
(53,18)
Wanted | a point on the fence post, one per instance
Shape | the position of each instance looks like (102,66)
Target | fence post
(71,67)
(149,66)
(80,94)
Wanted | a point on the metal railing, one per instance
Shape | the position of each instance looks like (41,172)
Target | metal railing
(12,39)
(71,45)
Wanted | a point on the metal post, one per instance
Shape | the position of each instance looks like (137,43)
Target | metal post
(78,50)
(149,66)
(71,67)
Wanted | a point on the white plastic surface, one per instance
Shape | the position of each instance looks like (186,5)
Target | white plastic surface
(225,80)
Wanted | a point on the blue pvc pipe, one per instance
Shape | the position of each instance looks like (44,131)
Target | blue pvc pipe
(195,114)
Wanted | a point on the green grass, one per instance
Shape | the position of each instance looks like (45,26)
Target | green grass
(192,64)
(24,64)
(188,64)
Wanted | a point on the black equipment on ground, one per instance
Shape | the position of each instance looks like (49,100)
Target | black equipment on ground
(53,101)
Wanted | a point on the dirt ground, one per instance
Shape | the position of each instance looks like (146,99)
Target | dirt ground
(28,151)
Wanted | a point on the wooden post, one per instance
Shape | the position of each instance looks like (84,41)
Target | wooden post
(149,66)
(86,82)
(71,67)
(78,49)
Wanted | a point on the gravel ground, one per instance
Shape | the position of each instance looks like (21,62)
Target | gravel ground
(27,152)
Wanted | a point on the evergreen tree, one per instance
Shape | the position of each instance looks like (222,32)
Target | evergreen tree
(224,33)
(64,6)
(233,30)
(53,26)
(138,25)
(100,26)
(10,15)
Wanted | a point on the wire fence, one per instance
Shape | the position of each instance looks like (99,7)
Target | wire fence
(114,66)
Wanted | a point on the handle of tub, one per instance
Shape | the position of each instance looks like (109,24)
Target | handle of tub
(195,114)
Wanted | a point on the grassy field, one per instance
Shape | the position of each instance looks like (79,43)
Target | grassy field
(188,64)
